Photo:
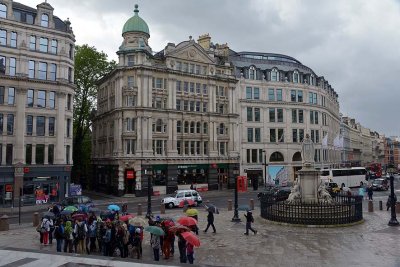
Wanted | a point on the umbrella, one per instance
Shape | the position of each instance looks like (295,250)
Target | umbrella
(187,221)
(76,216)
(113,207)
(188,202)
(126,217)
(48,214)
(137,221)
(155,230)
(179,229)
(191,238)
(66,212)
(192,212)
(71,208)
(244,207)
(167,223)
(213,209)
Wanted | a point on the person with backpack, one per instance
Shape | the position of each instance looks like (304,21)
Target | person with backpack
(45,229)
(249,221)
(59,234)
(80,231)
(68,237)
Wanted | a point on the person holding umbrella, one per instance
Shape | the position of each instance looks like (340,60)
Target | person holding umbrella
(210,221)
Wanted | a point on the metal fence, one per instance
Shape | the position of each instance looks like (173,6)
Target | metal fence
(344,210)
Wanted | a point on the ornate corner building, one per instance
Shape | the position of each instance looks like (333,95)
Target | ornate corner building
(36,102)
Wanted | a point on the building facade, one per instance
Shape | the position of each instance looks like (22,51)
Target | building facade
(168,119)
(36,103)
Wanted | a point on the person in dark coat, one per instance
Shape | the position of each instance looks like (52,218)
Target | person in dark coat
(249,221)
(370,192)
(210,222)
(182,249)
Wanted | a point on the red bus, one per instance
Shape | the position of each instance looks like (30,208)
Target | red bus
(375,168)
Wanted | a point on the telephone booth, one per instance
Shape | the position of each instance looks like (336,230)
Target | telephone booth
(242,183)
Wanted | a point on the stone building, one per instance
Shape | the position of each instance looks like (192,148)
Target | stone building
(36,102)
(170,117)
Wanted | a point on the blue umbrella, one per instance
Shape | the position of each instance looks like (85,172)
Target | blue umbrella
(113,207)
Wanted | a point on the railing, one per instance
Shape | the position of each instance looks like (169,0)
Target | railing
(343,210)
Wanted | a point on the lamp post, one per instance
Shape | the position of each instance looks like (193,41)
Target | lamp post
(149,173)
(236,206)
(393,220)
(265,167)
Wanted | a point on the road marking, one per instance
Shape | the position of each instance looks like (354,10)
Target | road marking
(19,262)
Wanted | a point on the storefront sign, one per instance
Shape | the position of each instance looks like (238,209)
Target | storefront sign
(75,190)
(9,188)
(130,174)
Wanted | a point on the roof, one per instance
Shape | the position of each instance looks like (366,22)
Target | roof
(136,24)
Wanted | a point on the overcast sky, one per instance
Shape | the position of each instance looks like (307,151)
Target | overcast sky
(354,44)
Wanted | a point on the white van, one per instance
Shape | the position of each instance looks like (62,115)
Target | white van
(180,195)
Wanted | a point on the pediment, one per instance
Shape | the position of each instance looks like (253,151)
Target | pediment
(191,52)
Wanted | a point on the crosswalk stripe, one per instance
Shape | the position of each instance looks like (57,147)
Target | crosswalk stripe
(19,262)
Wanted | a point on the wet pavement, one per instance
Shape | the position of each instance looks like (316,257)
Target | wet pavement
(372,243)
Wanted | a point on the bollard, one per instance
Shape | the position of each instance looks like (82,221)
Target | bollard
(4,226)
(36,219)
(370,206)
(251,204)
(162,209)
(397,207)
(380,205)
(229,204)
(139,209)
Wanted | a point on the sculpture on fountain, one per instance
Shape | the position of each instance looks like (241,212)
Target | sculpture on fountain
(295,194)
(323,194)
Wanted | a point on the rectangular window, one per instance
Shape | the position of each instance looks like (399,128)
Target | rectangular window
(316,136)
(70,75)
(316,117)
(278,94)
(40,125)
(205,105)
(12,66)
(271,94)
(250,135)
(315,101)
(256,114)
(52,121)
(205,90)
(198,106)
(54,46)
(67,154)
(294,115)
(249,114)
(281,138)
(68,127)
(198,69)
(293,95)
(221,148)
(256,93)
(69,101)
(311,117)
(28,154)
(198,88)
(53,72)
(205,148)
(131,82)
(301,116)
(71,51)
(186,87)
(131,61)
(3,37)
(10,124)
(52,100)
(272,135)
(178,86)
(50,154)
(192,87)
(178,104)
(31,69)
(249,92)
(271,115)
(191,105)
(185,105)
(179,147)
(299,96)
(42,71)
(9,154)
(185,67)
(32,42)
(159,83)
(11,96)
(279,112)
(13,41)
(29,125)
(1,124)
(2,91)
(39,154)
(2,65)
(186,147)
(41,101)
(301,135)
(310,97)
(294,135)
(191,66)
(44,43)
(257,135)
(248,155)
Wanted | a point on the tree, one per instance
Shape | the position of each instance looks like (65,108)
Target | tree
(90,66)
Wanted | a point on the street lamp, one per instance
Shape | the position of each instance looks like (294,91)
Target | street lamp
(393,221)
(265,167)
(236,213)
(149,173)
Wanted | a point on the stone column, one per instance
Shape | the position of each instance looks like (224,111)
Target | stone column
(59,153)
(4,151)
(19,126)
(33,154)
(46,154)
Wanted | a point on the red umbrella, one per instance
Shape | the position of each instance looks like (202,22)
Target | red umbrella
(76,216)
(179,228)
(191,238)
(188,202)
(187,221)
(168,223)
(126,217)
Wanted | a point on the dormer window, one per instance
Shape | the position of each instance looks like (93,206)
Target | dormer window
(274,75)
(44,21)
(252,73)
(3,11)
(296,76)
(131,61)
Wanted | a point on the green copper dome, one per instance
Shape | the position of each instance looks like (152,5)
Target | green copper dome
(136,24)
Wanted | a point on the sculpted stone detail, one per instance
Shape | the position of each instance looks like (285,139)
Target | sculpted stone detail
(324,195)
(295,194)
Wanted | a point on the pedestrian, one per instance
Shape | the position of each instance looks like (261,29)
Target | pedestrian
(59,234)
(92,235)
(51,231)
(101,231)
(190,252)
(68,237)
(137,244)
(370,192)
(182,249)
(361,190)
(45,229)
(210,222)
(106,243)
(80,231)
(155,244)
(389,202)
(249,221)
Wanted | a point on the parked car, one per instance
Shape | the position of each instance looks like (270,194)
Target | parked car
(76,200)
(282,193)
(380,184)
(180,195)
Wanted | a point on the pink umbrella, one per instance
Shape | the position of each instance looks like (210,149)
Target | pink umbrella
(126,217)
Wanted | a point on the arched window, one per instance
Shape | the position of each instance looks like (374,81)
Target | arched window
(205,128)
(3,11)
(178,126)
(198,126)
(296,76)
(186,128)
(296,156)
(252,73)
(276,157)
(274,75)
(159,126)
(45,20)
(192,127)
